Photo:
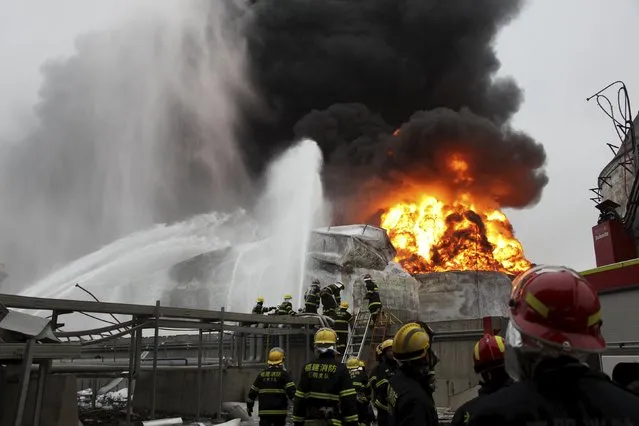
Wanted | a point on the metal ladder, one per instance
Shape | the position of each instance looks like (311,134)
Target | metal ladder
(381,331)
(357,336)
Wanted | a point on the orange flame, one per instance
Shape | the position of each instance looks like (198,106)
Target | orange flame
(432,235)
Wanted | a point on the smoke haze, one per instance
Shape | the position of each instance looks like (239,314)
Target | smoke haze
(156,120)
(136,128)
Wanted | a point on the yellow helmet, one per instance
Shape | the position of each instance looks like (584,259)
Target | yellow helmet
(288,296)
(362,363)
(411,342)
(384,345)
(275,356)
(343,305)
(260,299)
(325,336)
(353,363)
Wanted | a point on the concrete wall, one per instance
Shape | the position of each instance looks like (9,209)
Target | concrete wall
(446,296)
(455,372)
(59,407)
(177,390)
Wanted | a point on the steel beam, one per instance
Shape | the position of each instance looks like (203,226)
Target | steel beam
(25,377)
(40,351)
(156,346)
(39,303)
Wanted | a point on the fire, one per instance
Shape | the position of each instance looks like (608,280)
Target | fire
(433,235)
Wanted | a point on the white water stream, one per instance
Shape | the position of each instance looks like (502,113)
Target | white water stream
(264,255)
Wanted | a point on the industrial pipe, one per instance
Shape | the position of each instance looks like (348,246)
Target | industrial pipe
(164,422)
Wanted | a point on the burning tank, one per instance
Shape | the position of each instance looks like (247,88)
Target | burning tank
(345,253)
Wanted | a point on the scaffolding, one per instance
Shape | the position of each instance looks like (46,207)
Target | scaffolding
(144,317)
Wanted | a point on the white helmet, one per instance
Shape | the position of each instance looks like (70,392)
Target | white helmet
(340,285)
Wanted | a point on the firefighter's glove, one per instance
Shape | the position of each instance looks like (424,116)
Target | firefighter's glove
(249,407)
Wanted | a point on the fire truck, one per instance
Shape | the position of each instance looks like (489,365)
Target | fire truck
(615,239)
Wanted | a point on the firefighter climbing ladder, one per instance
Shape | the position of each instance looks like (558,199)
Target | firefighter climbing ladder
(365,332)
(357,336)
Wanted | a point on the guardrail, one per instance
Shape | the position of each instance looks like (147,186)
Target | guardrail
(143,317)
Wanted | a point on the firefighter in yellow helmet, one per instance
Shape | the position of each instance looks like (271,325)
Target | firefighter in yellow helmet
(286,307)
(342,319)
(325,395)
(360,382)
(381,374)
(271,388)
(410,397)
(259,307)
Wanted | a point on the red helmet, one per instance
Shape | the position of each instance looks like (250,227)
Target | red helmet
(557,306)
(489,353)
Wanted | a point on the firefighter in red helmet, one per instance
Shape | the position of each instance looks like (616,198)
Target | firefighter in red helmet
(555,323)
(488,359)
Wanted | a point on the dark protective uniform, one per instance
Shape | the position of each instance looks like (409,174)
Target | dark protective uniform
(285,308)
(271,388)
(330,296)
(362,387)
(465,411)
(372,294)
(562,392)
(312,300)
(380,377)
(410,402)
(342,319)
(260,309)
(325,394)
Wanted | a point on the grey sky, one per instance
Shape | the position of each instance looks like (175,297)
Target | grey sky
(562,52)
(559,52)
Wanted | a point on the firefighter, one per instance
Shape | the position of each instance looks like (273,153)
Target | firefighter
(360,382)
(372,294)
(286,307)
(488,359)
(342,320)
(381,374)
(325,395)
(331,298)
(271,388)
(259,308)
(555,323)
(410,397)
(312,298)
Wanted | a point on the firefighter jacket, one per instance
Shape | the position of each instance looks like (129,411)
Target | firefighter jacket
(464,412)
(410,402)
(260,309)
(561,392)
(312,300)
(325,393)
(360,382)
(342,319)
(372,294)
(335,291)
(379,380)
(285,308)
(329,302)
(271,388)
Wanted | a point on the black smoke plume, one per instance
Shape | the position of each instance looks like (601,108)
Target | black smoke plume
(344,72)
(347,73)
